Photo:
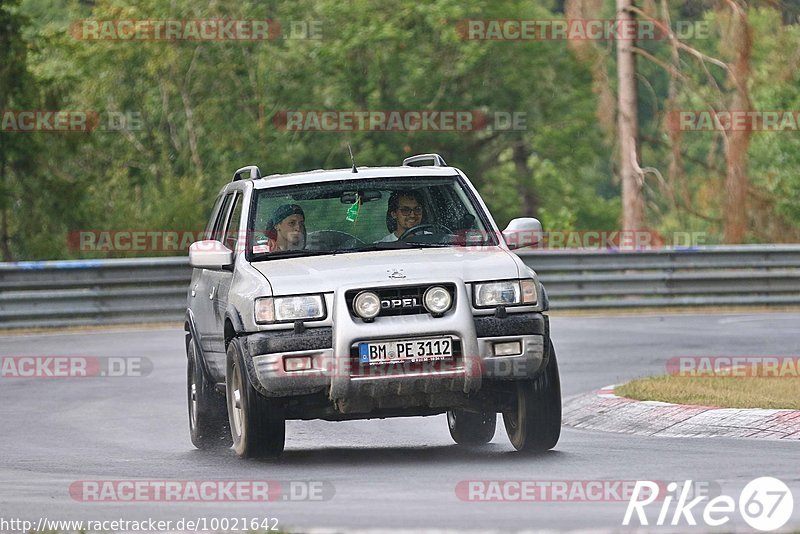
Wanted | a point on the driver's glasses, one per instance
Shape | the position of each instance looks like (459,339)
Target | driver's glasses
(406,211)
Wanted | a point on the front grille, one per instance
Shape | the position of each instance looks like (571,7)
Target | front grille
(404,300)
(357,369)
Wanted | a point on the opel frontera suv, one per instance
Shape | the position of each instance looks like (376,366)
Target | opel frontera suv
(365,293)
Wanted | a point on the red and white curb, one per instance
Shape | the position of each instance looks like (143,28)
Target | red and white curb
(604,411)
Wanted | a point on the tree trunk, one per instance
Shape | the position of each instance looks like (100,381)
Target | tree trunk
(675,170)
(738,140)
(627,124)
(588,51)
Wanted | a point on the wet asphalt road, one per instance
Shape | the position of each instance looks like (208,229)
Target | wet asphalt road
(389,474)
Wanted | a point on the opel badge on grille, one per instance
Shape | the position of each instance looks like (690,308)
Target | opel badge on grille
(395,273)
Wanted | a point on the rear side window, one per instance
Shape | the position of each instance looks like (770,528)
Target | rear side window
(222,218)
(233,236)
(209,231)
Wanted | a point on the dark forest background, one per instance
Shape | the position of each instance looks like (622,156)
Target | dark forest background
(197,110)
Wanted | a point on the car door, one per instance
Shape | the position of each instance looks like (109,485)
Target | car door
(201,294)
(219,282)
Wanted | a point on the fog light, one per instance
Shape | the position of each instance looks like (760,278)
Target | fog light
(510,348)
(297,363)
(437,300)
(367,305)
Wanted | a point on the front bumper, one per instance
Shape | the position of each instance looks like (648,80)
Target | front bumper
(353,388)
(532,330)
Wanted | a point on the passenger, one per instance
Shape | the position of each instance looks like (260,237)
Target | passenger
(287,228)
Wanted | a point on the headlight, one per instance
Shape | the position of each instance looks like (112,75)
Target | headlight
(289,309)
(367,305)
(506,293)
(497,294)
(437,300)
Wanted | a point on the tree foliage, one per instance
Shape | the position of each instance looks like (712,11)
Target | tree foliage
(197,110)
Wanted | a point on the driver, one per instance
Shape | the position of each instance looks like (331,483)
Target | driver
(405,211)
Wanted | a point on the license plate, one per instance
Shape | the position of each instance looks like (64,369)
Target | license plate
(411,350)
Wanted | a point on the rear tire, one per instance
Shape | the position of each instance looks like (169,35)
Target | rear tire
(258,426)
(208,412)
(534,425)
(470,428)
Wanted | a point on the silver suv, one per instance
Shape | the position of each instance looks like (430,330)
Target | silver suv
(365,293)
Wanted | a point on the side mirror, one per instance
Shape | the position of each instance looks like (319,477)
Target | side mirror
(210,254)
(525,232)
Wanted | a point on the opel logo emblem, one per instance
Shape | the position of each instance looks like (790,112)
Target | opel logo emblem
(396,273)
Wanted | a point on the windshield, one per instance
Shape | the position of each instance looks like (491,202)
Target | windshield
(360,215)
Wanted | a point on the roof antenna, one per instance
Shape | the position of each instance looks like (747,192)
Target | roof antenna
(352,158)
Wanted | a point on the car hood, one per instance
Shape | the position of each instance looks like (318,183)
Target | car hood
(318,274)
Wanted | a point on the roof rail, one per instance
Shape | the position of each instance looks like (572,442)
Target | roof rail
(438,161)
(252,172)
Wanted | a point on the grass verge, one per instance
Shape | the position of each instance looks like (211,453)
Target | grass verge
(718,391)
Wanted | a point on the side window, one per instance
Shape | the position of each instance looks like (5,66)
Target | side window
(452,209)
(233,236)
(209,231)
(222,218)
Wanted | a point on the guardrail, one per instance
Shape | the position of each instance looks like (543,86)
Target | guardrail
(747,275)
(88,292)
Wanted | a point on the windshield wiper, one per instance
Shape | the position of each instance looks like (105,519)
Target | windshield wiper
(393,245)
(431,245)
(382,245)
(281,254)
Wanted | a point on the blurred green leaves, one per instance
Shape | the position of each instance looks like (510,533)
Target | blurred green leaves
(206,108)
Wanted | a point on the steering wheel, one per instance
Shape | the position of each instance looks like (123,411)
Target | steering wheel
(414,230)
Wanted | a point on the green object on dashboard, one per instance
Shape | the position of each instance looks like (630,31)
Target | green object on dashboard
(352,211)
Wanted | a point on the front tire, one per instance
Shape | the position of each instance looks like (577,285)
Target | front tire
(208,412)
(258,426)
(534,424)
(470,428)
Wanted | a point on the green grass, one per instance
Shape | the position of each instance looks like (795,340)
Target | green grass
(723,392)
